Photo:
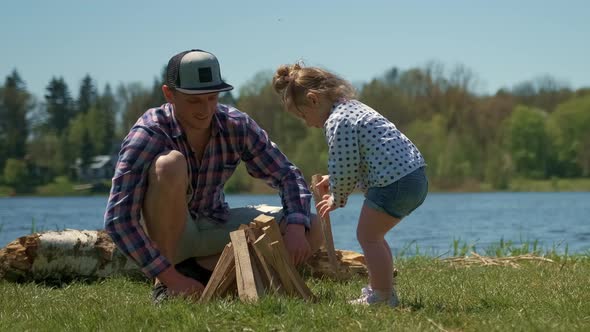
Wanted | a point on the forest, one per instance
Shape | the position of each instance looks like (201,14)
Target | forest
(535,130)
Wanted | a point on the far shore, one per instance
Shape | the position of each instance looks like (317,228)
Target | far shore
(260,188)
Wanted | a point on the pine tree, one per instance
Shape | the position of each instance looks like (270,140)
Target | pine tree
(15,104)
(59,105)
(108,106)
(88,95)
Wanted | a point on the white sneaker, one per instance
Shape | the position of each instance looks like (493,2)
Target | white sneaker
(370,297)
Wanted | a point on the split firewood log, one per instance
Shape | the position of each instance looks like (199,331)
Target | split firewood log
(350,264)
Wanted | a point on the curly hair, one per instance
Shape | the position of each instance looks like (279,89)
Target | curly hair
(292,82)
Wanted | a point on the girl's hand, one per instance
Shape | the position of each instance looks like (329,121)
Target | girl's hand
(323,186)
(325,206)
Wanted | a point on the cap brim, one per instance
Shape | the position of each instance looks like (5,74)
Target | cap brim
(218,88)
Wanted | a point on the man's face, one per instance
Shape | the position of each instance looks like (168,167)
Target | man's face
(194,111)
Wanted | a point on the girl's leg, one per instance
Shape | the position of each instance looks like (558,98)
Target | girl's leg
(371,230)
(388,249)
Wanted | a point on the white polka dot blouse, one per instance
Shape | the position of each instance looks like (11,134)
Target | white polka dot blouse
(365,149)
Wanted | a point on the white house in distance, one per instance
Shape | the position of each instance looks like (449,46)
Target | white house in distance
(101,167)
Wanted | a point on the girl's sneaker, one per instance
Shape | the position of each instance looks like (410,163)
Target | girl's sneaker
(370,297)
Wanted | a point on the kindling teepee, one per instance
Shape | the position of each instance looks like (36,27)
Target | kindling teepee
(256,262)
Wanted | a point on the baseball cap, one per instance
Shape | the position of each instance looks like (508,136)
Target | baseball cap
(195,72)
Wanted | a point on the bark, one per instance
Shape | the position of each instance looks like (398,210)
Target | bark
(64,255)
(350,263)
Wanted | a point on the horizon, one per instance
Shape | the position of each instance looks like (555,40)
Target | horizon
(503,44)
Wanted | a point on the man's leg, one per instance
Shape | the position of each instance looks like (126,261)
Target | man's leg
(208,262)
(164,207)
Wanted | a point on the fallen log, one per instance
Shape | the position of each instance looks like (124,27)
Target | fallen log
(89,254)
(64,255)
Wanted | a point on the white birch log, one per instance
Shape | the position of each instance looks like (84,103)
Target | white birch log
(64,255)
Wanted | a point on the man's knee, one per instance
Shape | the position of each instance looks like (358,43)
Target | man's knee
(169,168)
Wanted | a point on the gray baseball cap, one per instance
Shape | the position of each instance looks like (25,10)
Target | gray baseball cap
(195,72)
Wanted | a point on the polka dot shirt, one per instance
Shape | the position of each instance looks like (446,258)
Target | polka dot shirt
(365,149)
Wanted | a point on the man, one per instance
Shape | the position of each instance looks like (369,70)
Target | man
(167,203)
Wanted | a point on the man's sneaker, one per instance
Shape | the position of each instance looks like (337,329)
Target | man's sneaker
(370,297)
(189,268)
(159,293)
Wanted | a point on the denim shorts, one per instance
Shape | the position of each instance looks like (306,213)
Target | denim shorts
(400,198)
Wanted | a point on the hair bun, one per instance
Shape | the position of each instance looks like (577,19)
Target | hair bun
(282,78)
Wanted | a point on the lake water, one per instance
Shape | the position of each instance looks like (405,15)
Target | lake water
(556,220)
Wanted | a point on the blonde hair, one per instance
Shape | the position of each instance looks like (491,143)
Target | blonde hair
(292,82)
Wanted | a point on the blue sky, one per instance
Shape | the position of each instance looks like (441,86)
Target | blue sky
(503,42)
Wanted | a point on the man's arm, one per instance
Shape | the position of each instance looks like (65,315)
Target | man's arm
(127,192)
(265,161)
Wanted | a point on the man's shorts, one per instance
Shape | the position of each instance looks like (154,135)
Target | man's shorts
(204,236)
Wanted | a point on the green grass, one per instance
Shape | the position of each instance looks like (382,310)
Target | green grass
(551,185)
(435,295)
(6,191)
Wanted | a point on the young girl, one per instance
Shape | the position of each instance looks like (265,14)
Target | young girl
(365,148)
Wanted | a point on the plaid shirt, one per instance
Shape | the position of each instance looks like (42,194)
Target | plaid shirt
(234,137)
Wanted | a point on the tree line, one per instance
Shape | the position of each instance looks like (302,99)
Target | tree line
(538,129)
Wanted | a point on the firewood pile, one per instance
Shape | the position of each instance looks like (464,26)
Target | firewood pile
(256,262)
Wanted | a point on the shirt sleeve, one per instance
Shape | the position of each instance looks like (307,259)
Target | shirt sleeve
(265,161)
(123,212)
(343,157)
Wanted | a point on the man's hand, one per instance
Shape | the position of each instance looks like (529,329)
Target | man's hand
(324,185)
(325,206)
(297,244)
(181,285)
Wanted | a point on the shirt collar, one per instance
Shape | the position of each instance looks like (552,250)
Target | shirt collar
(338,102)
(217,126)
(176,128)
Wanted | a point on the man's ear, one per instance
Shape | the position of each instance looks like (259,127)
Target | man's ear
(168,93)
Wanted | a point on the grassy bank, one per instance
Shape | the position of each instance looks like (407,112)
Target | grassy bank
(515,185)
(550,185)
(259,187)
(435,295)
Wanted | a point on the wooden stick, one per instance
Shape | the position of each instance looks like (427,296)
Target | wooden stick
(263,220)
(279,273)
(218,283)
(279,257)
(228,283)
(325,222)
(263,258)
(285,263)
(248,289)
(282,258)
(260,279)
